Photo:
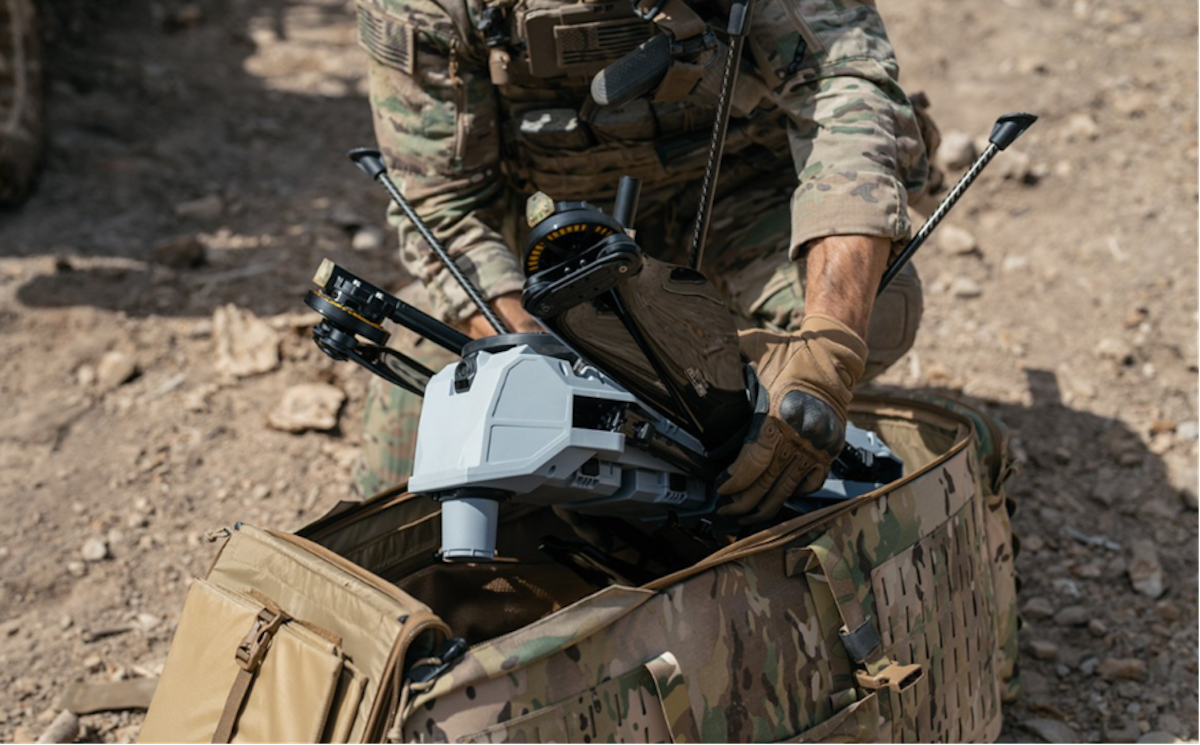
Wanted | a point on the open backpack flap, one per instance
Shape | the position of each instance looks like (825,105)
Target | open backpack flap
(889,617)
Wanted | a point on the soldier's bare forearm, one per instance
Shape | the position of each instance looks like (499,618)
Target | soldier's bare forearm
(843,273)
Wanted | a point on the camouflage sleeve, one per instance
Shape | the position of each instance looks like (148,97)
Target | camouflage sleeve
(854,137)
(435,115)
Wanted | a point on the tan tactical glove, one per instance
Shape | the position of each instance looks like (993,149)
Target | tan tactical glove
(805,383)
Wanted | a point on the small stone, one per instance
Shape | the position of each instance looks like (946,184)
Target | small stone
(957,150)
(64,728)
(1037,608)
(180,252)
(1074,615)
(1051,730)
(308,406)
(85,375)
(956,241)
(1127,668)
(94,549)
(1015,263)
(1068,587)
(245,344)
(965,287)
(1088,666)
(204,208)
(1120,729)
(1145,570)
(1015,165)
(1097,628)
(367,238)
(1187,430)
(1170,723)
(76,568)
(1168,611)
(148,621)
(65,622)
(1043,650)
(1156,737)
(114,369)
(1082,127)
(1114,349)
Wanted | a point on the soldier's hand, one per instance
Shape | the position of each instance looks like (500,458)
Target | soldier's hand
(799,427)
(508,307)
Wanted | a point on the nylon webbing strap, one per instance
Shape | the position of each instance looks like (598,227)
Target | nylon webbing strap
(249,657)
(858,633)
(233,706)
(673,16)
(681,79)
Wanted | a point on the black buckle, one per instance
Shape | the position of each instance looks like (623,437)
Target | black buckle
(704,42)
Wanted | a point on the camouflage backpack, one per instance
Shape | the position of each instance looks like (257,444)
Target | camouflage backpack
(886,618)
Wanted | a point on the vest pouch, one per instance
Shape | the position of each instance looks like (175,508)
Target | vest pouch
(285,641)
(294,673)
(576,40)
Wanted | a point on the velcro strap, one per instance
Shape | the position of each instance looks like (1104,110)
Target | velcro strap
(673,16)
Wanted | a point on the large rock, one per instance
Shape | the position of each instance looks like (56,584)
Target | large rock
(308,406)
(245,344)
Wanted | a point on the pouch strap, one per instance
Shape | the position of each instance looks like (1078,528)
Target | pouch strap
(681,79)
(820,564)
(671,687)
(249,657)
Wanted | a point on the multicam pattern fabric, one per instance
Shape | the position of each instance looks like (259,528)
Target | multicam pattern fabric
(756,633)
(825,77)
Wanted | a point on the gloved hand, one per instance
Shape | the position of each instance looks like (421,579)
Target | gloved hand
(799,427)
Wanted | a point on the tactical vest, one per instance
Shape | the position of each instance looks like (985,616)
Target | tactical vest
(542,56)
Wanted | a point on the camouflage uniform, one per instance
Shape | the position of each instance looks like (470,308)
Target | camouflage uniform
(21,102)
(822,142)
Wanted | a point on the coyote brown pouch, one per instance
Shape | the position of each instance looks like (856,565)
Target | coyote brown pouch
(285,641)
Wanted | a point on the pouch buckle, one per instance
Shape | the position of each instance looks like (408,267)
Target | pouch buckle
(253,648)
(891,675)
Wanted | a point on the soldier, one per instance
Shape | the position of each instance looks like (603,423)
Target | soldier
(21,107)
(480,103)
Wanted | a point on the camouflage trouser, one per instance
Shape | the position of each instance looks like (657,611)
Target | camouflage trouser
(22,115)
(765,290)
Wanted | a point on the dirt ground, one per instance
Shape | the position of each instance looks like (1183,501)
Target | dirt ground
(197,160)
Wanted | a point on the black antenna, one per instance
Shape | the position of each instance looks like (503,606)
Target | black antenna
(1006,130)
(370,161)
(739,26)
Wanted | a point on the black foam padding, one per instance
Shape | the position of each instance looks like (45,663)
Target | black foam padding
(634,75)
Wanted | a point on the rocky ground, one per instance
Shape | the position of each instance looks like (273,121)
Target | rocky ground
(156,361)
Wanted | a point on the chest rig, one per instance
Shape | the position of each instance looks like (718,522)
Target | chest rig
(533,41)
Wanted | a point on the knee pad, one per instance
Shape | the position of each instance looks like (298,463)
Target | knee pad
(894,322)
